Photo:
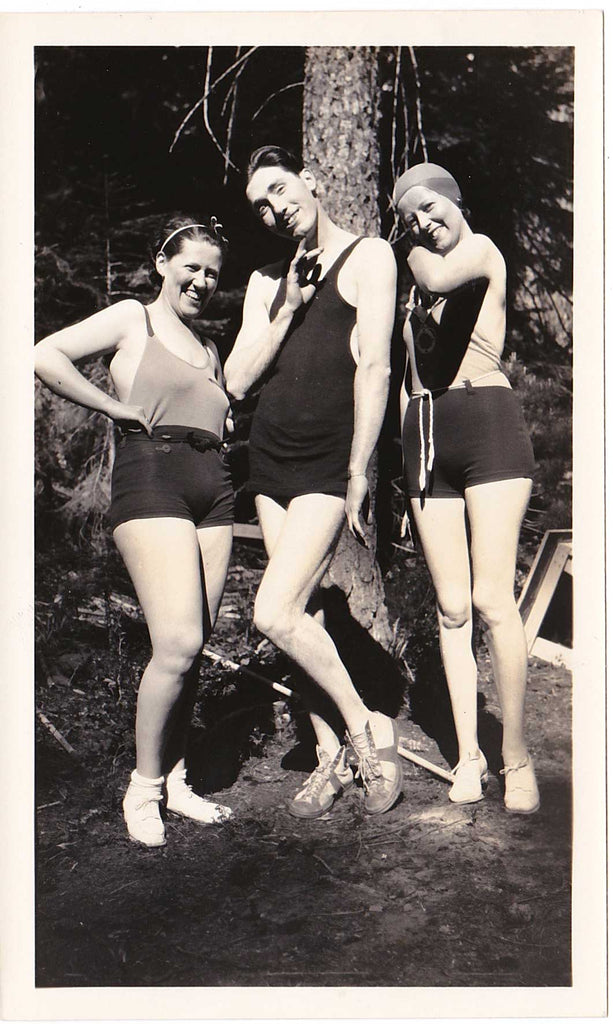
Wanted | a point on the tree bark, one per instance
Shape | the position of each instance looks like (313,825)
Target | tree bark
(340,145)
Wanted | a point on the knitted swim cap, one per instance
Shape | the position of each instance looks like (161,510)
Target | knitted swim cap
(430,176)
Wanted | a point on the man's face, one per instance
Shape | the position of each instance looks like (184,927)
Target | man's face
(285,202)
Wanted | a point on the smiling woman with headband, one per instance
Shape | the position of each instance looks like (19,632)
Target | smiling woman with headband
(467,459)
(171,494)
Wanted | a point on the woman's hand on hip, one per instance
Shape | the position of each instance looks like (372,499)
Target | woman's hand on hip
(128,415)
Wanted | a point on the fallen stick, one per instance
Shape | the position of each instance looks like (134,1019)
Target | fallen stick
(434,768)
(55,733)
(402,750)
(235,667)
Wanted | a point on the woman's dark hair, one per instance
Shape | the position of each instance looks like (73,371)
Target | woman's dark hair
(181,227)
(273,156)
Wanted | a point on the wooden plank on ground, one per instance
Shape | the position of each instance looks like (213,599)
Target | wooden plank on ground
(247,531)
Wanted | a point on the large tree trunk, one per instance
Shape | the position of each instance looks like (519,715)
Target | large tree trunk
(340,145)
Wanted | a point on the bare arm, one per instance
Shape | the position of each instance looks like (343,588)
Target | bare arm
(473,258)
(376,297)
(260,338)
(55,357)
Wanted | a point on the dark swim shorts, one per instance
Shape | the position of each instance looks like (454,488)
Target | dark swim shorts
(480,436)
(178,473)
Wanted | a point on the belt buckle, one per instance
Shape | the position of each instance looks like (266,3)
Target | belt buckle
(200,444)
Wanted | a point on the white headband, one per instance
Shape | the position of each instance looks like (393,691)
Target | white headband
(185,227)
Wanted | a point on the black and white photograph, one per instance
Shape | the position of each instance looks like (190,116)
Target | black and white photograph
(305,436)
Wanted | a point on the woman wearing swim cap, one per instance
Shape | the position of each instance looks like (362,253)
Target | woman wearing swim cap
(171,494)
(468,466)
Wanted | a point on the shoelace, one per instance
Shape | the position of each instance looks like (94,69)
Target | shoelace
(467,761)
(514,767)
(369,769)
(188,792)
(155,798)
(316,780)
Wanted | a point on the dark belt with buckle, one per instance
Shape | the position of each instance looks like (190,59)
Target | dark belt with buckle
(202,444)
(167,436)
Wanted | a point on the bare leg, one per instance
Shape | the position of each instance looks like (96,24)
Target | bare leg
(442,530)
(163,559)
(301,548)
(215,548)
(272,517)
(496,511)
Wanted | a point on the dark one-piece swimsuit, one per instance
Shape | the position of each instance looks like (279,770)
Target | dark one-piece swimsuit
(303,425)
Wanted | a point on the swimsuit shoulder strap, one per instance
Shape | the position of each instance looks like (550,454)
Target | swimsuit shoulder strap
(148,324)
(343,256)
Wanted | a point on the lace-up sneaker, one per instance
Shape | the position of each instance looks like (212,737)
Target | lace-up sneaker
(182,800)
(470,775)
(141,810)
(521,795)
(324,785)
(378,763)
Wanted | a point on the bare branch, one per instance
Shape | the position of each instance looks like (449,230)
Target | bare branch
(233,94)
(407,131)
(188,116)
(199,102)
(558,314)
(205,114)
(273,96)
(536,307)
(395,107)
(420,130)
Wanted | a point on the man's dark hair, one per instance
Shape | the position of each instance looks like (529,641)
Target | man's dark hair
(273,156)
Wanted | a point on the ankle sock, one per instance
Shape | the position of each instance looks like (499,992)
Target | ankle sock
(142,780)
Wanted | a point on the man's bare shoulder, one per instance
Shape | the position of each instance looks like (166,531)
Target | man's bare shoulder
(374,249)
(375,244)
(372,259)
(271,273)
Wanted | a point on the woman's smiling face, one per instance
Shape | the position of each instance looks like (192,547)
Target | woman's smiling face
(190,277)
(431,219)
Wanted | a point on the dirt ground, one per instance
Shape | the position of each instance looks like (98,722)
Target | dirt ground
(429,894)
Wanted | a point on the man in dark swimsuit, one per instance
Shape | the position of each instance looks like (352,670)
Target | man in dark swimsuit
(318,332)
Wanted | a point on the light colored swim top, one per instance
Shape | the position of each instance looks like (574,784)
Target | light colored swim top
(172,391)
(449,349)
